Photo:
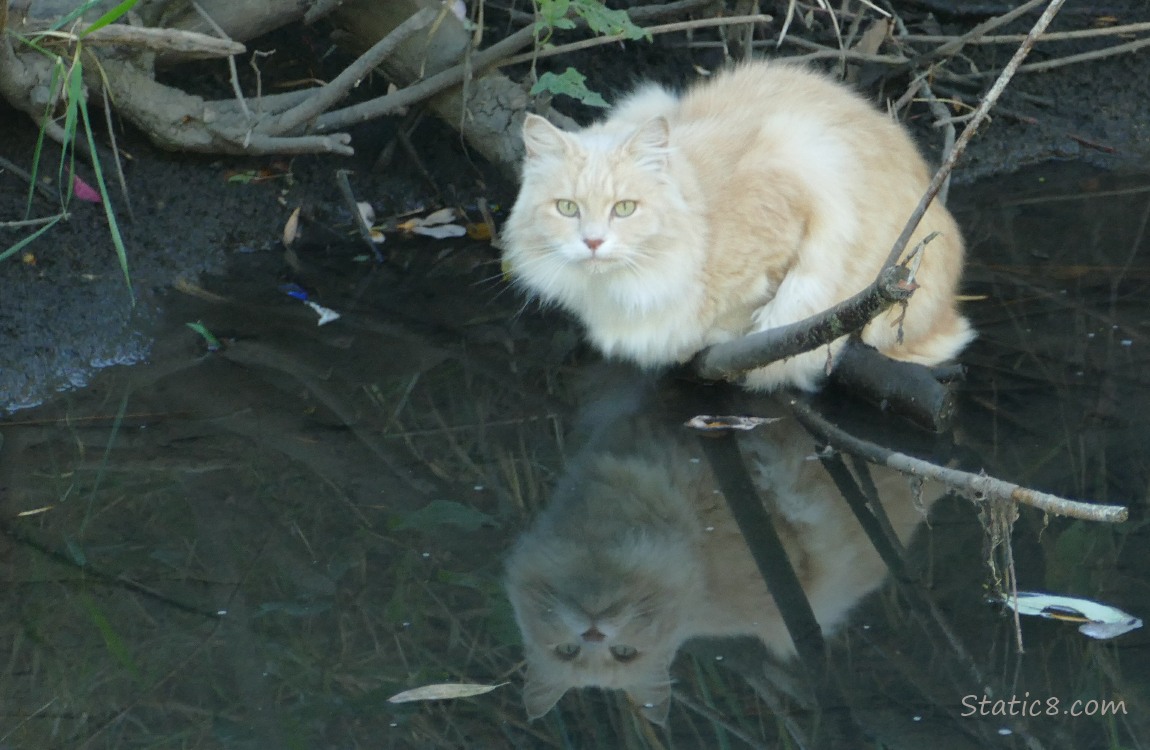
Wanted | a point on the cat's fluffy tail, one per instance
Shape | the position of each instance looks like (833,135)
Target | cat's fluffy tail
(947,336)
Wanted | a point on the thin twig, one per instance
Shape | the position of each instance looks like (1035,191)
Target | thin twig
(1057,36)
(1059,62)
(640,13)
(405,97)
(332,92)
(652,30)
(357,215)
(943,174)
(938,110)
(234,74)
(822,51)
(952,47)
(979,487)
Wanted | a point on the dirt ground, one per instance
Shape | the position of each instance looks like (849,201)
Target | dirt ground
(66,310)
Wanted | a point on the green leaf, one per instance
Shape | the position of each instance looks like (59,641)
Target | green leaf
(553,13)
(570,83)
(603,20)
(443,513)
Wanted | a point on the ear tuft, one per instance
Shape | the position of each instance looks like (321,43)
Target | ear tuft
(541,138)
(651,143)
(540,696)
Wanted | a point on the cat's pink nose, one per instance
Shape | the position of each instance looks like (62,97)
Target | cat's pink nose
(592,243)
(593,634)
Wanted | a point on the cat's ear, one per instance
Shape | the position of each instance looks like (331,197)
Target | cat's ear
(650,145)
(540,696)
(541,138)
(653,700)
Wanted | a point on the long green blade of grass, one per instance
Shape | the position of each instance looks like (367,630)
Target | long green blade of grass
(105,199)
(109,17)
(30,238)
(67,20)
(74,94)
(112,640)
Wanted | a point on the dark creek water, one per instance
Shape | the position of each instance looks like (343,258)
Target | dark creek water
(256,547)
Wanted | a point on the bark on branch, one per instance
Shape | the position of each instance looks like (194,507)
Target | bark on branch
(978,487)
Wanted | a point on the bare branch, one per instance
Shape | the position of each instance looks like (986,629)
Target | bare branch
(329,94)
(978,487)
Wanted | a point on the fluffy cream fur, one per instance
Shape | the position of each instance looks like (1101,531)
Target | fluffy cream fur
(758,198)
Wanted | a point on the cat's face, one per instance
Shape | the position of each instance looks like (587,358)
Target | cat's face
(595,208)
(611,620)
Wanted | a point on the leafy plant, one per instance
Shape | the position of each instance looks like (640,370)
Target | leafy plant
(561,14)
(569,83)
(68,85)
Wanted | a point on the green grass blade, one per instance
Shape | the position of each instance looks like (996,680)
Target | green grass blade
(77,13)
(74,95)
(30,238)
(112,640)
(105,199)
(109,17)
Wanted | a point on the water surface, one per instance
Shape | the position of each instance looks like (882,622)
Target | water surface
(256,547)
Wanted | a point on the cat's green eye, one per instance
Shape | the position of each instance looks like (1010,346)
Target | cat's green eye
(623,209)
(567,208)
(624,654)
(567,651)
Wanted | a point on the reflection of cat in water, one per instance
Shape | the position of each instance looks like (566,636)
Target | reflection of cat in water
(637,553)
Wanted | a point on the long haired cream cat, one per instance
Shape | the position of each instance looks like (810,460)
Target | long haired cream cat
(637,552)
(757,198)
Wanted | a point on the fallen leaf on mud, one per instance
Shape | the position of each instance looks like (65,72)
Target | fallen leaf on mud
(434,225)
(441,231)
(84,191)
(291,227)
(480,231)
(442,216)
(707,423)
(366,211)
(443,691)
(326,314)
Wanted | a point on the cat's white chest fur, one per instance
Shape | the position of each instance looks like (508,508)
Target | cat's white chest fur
(756,199)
